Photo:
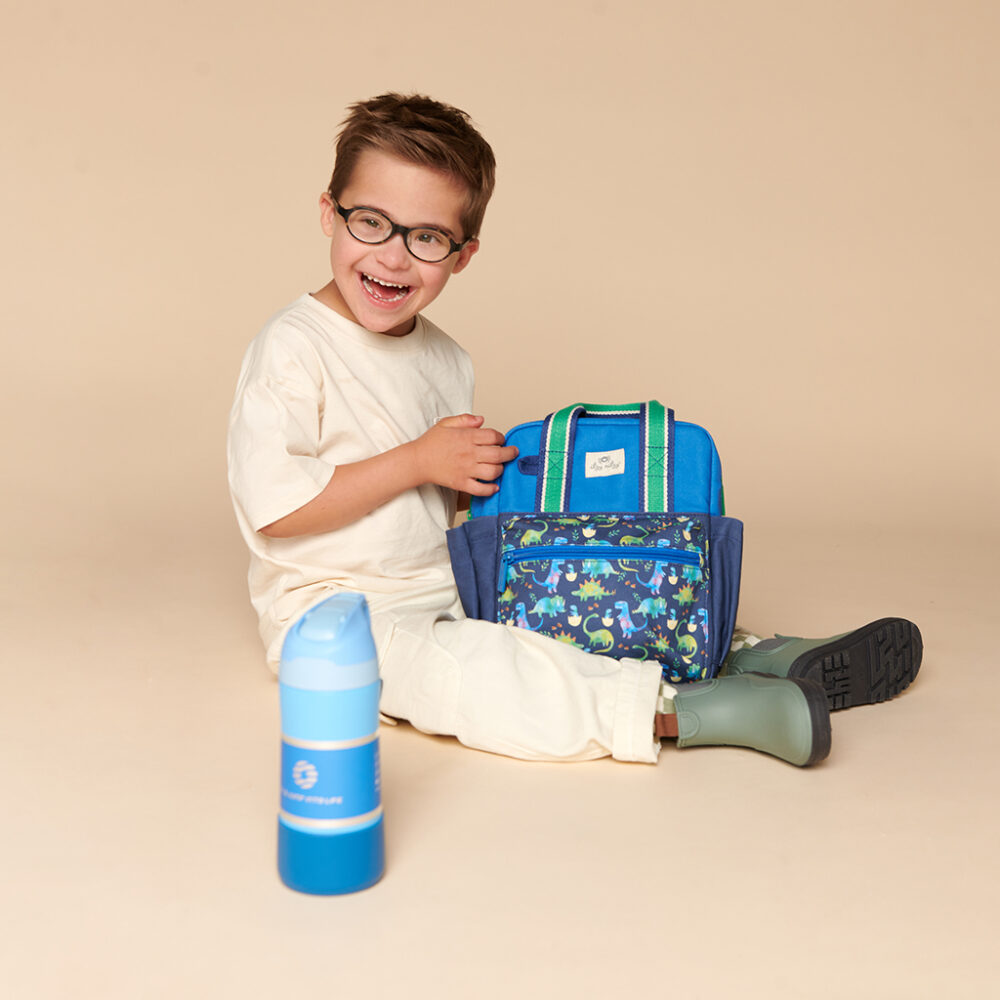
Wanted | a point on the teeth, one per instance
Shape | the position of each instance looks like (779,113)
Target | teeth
(384,291)
(384,284)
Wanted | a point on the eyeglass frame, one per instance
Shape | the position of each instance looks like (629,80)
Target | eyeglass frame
(395,228)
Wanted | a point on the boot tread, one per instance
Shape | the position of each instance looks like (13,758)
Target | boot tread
(870,665)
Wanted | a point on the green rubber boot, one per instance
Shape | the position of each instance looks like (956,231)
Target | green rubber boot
(785,717)
(870,664)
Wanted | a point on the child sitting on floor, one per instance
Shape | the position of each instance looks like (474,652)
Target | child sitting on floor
(351,437)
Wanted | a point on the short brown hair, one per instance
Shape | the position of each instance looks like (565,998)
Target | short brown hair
(423,131)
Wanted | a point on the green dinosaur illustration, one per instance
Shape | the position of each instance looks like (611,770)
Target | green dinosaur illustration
(566,638)
(550,606)
(597,567)
(687,646)
(652,607)
(590,589)
(532,536)
(599,637)
(634,539)
(662,643)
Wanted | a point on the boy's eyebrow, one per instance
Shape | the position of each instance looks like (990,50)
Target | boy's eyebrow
(419,225)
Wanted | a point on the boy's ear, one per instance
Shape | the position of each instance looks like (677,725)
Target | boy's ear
(326,213)
(465,255)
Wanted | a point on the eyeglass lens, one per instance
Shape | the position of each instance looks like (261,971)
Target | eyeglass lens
(427,245)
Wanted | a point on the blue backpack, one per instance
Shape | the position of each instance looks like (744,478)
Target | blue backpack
(608,532)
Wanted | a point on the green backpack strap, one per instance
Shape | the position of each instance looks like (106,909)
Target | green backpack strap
(656,433)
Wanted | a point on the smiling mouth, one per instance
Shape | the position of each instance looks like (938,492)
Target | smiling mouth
(384,291)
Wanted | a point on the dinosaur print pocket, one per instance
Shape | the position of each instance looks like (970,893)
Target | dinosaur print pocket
(615,584)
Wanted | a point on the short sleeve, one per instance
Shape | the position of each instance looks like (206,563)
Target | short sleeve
(273,447)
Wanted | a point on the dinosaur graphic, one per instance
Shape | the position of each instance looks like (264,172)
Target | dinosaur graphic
(687,646)
(652,607)
(565,637)
(508,572)
(597,567)
(532,536)
(703,615)
(589,530)
(590,590)
(634,539)
(655,582)
(599,637)
(693,574)
(662,644)
(520,619)
(548,606)
(551,581)
(628,627)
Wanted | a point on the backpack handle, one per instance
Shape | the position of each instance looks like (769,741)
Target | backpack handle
(656,444)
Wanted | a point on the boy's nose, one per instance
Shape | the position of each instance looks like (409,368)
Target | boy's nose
(393,252)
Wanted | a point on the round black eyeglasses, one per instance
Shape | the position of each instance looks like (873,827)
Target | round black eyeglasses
(368,226)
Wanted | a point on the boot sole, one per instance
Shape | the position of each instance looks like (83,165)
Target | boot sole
(819,718)
(872,664)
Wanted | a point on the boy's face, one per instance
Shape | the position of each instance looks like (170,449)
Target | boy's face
(383,286)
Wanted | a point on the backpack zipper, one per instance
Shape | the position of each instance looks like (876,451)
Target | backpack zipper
(622,553)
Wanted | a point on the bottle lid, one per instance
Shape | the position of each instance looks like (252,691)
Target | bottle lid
(331,647)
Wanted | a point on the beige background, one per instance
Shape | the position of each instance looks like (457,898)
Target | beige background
(812,273)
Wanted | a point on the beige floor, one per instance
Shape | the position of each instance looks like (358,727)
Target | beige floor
(809,267)
(141,738)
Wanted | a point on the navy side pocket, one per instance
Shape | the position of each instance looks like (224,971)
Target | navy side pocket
(726,565)
(474,552)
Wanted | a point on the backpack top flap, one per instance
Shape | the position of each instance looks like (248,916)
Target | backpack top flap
(626,458)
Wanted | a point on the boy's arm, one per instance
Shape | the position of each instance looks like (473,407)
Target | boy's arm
(457,452)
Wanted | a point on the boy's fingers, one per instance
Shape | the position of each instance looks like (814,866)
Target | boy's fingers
(487,435)
(497,452)
(461,420)
(495,437)
(498,456)
(481,489)
(492,461)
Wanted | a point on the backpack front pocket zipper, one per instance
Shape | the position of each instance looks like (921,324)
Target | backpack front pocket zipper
(594,554)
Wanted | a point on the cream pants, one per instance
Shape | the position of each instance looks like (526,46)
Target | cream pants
(509,691)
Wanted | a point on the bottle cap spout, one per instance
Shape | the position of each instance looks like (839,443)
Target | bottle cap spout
(336,632)
(339,621)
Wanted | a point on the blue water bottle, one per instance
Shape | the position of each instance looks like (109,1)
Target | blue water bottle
(330,834)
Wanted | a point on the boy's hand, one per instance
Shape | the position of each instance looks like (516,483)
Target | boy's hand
(458,452)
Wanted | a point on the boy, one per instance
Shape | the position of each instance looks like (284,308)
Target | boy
(350,437)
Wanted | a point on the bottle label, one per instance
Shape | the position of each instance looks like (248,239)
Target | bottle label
(332,787)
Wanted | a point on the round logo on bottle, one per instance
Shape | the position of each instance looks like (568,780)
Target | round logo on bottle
(304,774)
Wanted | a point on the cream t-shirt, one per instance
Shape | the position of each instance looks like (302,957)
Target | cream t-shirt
(315,391)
